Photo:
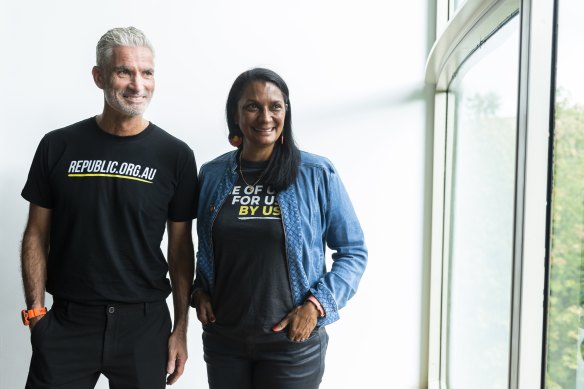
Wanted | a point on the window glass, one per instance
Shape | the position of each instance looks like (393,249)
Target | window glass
(456,4)
(565,333)
(480,247)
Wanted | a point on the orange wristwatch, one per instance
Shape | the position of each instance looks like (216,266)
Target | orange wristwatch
(30,313)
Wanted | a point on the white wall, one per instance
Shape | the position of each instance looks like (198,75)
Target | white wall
(355,72)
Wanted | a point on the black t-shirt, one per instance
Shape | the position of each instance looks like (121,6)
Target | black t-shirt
(252,289)
(110,198)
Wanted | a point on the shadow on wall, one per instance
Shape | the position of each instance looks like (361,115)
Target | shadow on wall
(403,95)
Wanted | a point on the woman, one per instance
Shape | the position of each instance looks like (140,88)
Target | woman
(266,211)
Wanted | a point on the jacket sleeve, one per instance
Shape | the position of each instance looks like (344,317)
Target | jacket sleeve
(201,267)
(344,236)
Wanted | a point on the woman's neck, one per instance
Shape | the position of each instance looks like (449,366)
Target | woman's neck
(256,154)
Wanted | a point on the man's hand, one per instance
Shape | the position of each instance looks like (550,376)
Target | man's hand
(301,321)
(180,269)
(33,322)
(202,303)
(177,356)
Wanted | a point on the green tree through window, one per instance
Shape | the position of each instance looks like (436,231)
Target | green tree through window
(566,297)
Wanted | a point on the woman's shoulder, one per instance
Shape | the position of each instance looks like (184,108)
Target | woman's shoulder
(220,161)
(314,161)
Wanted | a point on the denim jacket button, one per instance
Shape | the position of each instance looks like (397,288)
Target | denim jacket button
(212,209)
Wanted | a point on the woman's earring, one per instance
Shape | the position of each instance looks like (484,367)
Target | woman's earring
(235,141)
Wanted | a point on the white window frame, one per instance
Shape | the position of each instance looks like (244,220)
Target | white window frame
(458,36)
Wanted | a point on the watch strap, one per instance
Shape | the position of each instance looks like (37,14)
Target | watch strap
(30,313)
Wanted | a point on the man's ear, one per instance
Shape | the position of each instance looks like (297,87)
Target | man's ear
(98,77)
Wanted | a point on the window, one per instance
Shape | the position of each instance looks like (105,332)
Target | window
(491,66)
(565,332)
(480,247)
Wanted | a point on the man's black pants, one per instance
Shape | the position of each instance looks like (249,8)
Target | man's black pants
(73,344)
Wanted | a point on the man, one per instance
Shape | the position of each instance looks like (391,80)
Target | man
(101,192)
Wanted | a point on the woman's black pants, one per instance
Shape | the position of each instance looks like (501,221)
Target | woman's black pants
(270,361)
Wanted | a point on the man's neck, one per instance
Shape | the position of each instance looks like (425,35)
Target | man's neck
(120,125)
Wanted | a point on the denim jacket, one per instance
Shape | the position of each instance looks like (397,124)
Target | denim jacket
(316,210)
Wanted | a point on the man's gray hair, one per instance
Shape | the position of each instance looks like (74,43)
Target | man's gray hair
(120,36)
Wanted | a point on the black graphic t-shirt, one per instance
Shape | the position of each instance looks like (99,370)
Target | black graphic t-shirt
(252,289)
(110,198)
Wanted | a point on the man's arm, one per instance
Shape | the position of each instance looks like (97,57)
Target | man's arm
(35,249)
(181,265)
